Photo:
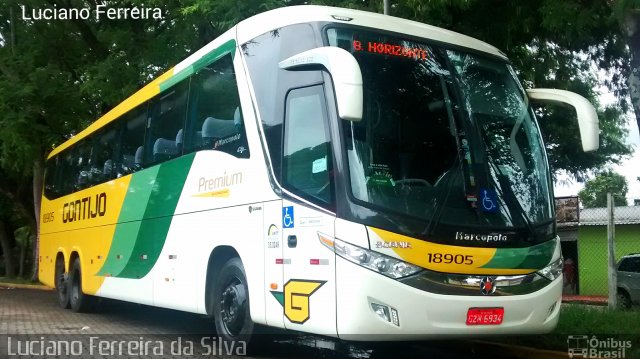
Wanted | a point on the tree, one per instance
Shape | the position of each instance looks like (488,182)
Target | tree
(595,190)
(58,76)
(628,14)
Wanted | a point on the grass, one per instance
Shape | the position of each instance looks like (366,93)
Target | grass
(588,320)
(598,321)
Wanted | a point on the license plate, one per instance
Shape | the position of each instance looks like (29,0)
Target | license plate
(485,316)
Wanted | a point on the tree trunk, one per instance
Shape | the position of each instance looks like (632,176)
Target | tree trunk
(6,251)
(23,256)
(37,194)
(631,25)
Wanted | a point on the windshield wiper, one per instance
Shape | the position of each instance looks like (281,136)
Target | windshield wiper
(463,151)
(512,196)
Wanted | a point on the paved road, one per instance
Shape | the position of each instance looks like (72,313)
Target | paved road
(33,326)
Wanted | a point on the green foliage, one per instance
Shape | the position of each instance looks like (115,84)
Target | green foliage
(24,237)
(594,193)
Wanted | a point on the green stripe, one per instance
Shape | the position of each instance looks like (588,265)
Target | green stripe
(153,196)
(208,58)
(161,206)
(535,257)
(138,193)
(133,208)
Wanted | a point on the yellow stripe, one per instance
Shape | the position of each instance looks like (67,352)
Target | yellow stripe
(221,193)
(90,237)
(144,94)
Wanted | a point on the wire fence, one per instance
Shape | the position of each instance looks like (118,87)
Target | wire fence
(584,239)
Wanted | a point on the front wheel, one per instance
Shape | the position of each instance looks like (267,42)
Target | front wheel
(79,301)
(231,303)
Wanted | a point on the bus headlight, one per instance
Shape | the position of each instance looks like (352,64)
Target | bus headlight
(553,270)
(380,263)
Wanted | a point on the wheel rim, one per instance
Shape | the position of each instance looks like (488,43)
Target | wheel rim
(232,306)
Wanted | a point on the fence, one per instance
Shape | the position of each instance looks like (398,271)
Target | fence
(584,241)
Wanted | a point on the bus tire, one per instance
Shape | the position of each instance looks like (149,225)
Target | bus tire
(62,284)
(231,303)
(78,301)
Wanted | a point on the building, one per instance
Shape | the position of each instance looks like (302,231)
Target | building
(592,245)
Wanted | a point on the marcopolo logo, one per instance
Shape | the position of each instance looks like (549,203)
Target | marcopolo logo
(494,237)
(583,346)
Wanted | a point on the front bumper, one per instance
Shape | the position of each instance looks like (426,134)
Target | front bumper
(424,315)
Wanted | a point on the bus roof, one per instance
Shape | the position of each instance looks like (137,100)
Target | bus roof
(259,24)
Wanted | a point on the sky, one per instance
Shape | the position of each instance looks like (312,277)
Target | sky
(630,168)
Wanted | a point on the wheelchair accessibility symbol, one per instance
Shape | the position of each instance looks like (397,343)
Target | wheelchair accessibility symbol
(489,200)
(287,217)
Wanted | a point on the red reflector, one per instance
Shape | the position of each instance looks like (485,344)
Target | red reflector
(278,260)
(485,316)
(314,261)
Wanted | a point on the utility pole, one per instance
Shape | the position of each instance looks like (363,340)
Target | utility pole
(385,4)
(613,278)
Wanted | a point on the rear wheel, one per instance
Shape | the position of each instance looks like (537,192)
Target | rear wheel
(231,303)
(79,301)
(62,284)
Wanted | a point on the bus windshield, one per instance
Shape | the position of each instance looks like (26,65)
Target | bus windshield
(446,136)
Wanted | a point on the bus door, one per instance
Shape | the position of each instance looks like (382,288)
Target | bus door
(309,268)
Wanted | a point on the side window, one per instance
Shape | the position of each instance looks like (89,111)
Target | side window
(634,265)
(104,148)
(307,160)
(131,155)
(215,117)
(51,172)
(624,265)
(67,179)
(165,123)
(630,264)
(82,164)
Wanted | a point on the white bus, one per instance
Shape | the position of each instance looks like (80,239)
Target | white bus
(323,170)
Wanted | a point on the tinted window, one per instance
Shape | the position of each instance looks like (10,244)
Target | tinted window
(155,131)
(307,167)
(216,120)
(165,123)
(104,153)
(82,164)
(132,139)
(67,179)
(631,264)
(51,182)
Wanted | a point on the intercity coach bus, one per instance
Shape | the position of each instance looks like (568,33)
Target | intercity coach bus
(323,170)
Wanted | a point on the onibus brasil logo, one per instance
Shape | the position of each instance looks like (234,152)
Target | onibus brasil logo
(583,346)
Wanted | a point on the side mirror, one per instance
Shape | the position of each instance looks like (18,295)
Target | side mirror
(587,116)
(345,72)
